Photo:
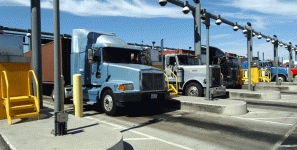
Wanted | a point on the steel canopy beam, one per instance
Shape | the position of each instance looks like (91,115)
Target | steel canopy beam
(212,16)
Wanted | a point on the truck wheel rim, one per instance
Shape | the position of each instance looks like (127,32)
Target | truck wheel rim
(193,91)
(280,79)
(108,104)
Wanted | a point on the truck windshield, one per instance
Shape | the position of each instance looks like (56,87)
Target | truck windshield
(121,55)
(186,60)
(267,64)
(232,61)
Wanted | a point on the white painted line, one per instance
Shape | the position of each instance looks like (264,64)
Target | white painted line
(258,112)
(279,143)
(137,139)
(262,120)
(276,118)
(288,146)
(151,137)
(176,115)
(186,110)
(104,122)
(118,128)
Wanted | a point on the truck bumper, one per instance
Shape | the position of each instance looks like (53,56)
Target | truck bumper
(218,91)
(123,98)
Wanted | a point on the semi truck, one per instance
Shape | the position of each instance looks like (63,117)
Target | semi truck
(109,76)
(229,64)
(190,76)
(230,71)
(264,64)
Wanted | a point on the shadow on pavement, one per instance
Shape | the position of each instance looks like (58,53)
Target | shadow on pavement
(79,129)
(150,108)
(156,120)
(137,109)
(127,146)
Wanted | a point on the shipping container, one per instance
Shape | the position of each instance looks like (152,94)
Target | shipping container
(48,64)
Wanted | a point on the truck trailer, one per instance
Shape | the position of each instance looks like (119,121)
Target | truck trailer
(109,76)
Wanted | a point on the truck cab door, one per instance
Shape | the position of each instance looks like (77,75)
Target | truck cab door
(171,64)
(99,70)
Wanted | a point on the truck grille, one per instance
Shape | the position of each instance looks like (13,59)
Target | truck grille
(152,81)
(233,73)
(215,73)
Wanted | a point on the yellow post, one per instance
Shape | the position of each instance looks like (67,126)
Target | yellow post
(62,88)
(77,95)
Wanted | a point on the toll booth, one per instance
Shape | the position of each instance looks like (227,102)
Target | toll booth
(16,94)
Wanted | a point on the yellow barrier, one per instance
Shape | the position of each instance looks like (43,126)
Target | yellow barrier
(256,75)
(77,95)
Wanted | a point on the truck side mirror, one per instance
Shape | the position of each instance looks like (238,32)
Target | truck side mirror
(167,61)
(90,56)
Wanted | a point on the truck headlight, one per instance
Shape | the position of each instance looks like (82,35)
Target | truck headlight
(123,87)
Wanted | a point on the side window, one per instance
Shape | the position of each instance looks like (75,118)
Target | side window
(97,56)
(172,60)
(167,60)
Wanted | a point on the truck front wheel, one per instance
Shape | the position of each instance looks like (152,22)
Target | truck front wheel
(281,79)
(108,103)
(194,89)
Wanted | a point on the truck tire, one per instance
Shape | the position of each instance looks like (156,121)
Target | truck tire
(194,89)
(109,103)
(295,76)
(281,79)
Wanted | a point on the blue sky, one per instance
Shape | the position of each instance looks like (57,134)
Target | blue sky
(137,20)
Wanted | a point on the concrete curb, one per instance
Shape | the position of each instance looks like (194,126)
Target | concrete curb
(82,134)
(218,106)
(253,95)
(268,97)
(286,87)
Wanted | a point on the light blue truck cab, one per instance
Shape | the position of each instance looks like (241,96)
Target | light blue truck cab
(282,71)
(112,73)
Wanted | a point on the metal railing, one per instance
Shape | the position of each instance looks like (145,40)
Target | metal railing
(263,75)
(37,88)
(7,91)
(170,86)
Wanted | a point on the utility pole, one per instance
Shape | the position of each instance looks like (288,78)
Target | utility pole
(197,31)
(290,61)
(275,51)
(60,117)
(36,46)
(249,34)
(206,20)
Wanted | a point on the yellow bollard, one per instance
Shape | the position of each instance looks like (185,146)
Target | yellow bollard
(77,95)
(62,88)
